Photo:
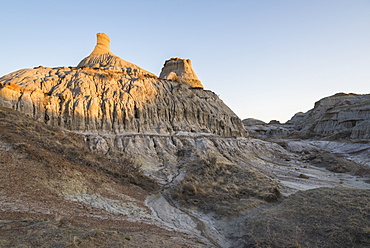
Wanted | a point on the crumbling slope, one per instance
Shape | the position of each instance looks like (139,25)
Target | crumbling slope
(55,192)
(341,116)
(111,101)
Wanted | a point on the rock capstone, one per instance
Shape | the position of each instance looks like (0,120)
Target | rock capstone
(180,70)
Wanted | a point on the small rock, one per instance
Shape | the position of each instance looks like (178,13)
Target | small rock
(303,176)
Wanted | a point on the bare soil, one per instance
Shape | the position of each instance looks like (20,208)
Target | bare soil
(45,172)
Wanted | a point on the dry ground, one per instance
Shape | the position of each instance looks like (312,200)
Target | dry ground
(41,168)
(324,217)
(44,170)
(223,189)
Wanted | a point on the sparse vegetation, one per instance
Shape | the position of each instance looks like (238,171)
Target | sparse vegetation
(40,143)
(69,233)
(40,164)
(334,163)
(324,217)
(223,188)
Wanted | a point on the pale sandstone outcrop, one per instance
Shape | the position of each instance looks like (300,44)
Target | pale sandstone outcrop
(105,101)
(106,94)
(343,115)
(260,129)
(180,70)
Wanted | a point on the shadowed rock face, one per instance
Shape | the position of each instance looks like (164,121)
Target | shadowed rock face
(343,115)
(180,70)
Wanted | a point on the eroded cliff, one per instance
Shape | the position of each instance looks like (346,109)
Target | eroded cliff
(180,70)
(338,116)
(106,94)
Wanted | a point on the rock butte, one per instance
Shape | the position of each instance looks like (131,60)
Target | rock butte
(176,69)
(106,94)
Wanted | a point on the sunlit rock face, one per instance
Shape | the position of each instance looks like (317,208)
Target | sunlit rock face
(180,70)
(102,57)
(341,115)
(106,94)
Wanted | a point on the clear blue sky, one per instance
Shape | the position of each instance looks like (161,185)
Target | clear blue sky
(267,59)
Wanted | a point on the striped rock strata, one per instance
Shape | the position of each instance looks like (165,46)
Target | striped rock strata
(341,115)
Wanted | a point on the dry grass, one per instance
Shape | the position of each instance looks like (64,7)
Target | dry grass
(54,147)
(332,162)
(325,217)
(84,233)
(223,188)
(37,162)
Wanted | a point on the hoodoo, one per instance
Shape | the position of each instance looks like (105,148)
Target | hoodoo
(180,70)
(102,57)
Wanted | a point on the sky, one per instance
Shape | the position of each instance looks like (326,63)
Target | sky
(266,59)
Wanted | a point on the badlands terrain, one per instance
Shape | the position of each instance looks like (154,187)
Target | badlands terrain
(107,154)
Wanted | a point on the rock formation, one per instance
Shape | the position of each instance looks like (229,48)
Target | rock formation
(260,129)
(338,116)
(180,70)
(102,57)
(162,133)
(341,116)
(106,94)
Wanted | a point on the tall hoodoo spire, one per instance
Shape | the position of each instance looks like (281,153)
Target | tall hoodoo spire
(102,44)
(102,57)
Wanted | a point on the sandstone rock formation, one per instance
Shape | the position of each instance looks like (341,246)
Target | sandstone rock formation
(106,94)
(166,134)
(49,172)
(260,129)
(338,116)
(341,116)
(180,70)
(102,57)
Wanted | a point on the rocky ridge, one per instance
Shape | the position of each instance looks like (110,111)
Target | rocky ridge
(107,95)
(346,115)
(341,116)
